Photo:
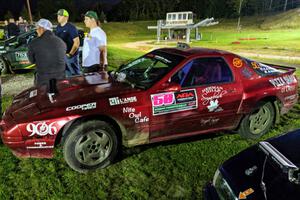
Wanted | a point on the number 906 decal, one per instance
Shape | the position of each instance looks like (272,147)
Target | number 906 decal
(171,102)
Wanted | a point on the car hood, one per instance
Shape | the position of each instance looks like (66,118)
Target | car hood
(244,171)
(73,91)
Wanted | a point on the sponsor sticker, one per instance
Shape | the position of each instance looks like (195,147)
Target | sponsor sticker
(41,129)
(21,56)
(282,81)
(171,102)
(136,116)
(33,93)
(237,62)
(88,106)
(40,145)
(118,101)
(246,72)
(210,97)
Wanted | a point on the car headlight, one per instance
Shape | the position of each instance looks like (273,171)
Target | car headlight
(222,187)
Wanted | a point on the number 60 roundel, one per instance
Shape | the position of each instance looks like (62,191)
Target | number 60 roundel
(163,99)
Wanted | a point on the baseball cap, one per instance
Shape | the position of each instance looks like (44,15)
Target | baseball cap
(63,12)
(91,14)
(44,23)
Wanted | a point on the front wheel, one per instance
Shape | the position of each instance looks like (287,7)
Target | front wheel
(91,145)
(259,122)
(3,66)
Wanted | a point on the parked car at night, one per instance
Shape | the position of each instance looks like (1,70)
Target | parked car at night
(13,52)
(166,94)
(268,170)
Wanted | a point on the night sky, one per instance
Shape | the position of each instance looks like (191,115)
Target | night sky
(16,6)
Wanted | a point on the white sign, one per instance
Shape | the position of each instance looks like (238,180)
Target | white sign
(117,101)
(41,129)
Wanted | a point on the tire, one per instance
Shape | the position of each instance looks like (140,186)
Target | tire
(3,66)
(90,145)
(259,122)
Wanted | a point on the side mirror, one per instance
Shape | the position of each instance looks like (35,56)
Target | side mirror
(171,87)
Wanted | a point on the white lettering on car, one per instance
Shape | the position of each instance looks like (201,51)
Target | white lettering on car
(210,96)
(137,117)
(40,145)
(41,129)
(88,106)
(282,81)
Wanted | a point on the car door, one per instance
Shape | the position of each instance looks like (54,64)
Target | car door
(208,100)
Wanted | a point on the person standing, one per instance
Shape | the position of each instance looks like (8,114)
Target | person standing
(94,51)
(69,34)
(47,51)
(12,28)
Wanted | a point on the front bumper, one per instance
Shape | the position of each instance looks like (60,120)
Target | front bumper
(210,192)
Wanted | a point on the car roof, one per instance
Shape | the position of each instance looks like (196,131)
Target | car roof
(190,52)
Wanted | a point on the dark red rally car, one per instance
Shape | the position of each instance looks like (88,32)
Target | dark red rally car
(167,93)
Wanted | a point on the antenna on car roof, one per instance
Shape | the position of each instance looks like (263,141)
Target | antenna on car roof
(182,45)
(52,89)
(285,164)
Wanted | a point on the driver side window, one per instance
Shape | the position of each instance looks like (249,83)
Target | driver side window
(202,71)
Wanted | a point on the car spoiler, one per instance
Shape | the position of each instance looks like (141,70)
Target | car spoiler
(289,69)
(285,164)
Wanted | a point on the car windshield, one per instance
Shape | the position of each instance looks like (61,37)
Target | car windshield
(150,68)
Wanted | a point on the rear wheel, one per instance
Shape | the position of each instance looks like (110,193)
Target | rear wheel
(91,145)
(3,66)
(259,122)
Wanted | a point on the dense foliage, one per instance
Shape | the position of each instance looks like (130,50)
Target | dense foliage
(129,10)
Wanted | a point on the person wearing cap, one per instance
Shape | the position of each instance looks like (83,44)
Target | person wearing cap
(47,52)
(69,34)
(94,57)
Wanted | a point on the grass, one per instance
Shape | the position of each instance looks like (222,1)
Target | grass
(171,170)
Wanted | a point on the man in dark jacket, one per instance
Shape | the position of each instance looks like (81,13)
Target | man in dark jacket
(47,51)
(12,28)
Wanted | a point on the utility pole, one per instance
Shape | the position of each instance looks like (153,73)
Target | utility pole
(285,4)
(29,12)
(270,7)
(239,20)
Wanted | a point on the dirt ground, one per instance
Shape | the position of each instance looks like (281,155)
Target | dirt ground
(14,84)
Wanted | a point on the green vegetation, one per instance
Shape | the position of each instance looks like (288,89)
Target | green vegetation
(177,169)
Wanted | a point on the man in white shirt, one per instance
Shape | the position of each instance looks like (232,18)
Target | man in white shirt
(94,51)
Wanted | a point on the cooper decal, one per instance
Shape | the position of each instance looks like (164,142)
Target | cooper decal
(41,129)
(117,101)
(137,117)
(237,62)
(171,102)
(88,106)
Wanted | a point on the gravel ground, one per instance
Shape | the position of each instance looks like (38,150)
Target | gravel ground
(14,84)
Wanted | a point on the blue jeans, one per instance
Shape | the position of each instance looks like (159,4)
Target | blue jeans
(72,65)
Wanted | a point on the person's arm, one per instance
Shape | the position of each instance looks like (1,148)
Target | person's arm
(75,37)
(76,43)
(103,60)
